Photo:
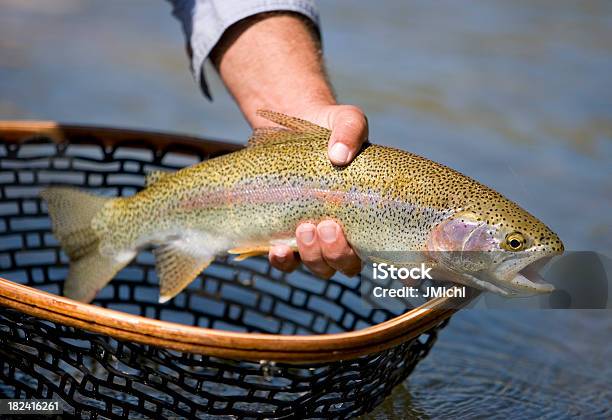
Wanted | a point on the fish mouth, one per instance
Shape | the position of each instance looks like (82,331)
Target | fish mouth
(528,280)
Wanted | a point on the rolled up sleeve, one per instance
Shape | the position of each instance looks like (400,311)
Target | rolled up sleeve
(204,22)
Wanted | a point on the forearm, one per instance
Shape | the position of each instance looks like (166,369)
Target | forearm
(273,61)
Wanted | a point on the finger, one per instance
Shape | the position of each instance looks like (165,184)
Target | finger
(336,250)
(349,131)
(310,250)
(283,258)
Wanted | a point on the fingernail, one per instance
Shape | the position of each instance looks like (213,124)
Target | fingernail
(339,153)
(327,231)
(306,233)
(281,256)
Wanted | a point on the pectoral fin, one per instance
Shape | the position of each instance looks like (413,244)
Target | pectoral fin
(247,252)
(244,252)
(176,268)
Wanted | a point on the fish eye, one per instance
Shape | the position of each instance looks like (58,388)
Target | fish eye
(515,241)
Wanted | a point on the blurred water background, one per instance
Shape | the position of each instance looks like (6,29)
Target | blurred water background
(515,94)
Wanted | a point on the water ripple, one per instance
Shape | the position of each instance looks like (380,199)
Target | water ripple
(488,363)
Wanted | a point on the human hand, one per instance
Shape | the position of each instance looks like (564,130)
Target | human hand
(323,248)
(348,124)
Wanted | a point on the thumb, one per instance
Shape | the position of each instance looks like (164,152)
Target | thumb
(349,131)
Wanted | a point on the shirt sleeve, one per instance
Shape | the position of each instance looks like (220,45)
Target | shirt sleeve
(204,22)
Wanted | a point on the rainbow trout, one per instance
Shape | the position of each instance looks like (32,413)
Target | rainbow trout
(246,201)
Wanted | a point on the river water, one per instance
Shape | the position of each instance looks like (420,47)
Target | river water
(515,94)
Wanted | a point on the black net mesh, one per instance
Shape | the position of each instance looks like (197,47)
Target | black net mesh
(97,376)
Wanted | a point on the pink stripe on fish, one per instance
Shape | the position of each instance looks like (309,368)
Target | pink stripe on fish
(266,195)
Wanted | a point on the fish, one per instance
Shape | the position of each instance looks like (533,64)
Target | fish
(387,201)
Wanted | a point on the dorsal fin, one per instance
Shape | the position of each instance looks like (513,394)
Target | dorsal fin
(272,135)
(294,129)
(293,123)
(155,176)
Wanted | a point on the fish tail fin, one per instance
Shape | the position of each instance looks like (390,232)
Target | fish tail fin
(72,212)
